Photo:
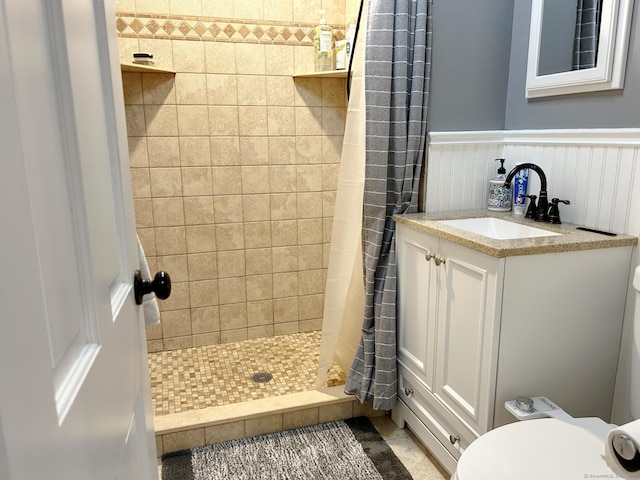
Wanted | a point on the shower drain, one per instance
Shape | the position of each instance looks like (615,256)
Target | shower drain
(262,377)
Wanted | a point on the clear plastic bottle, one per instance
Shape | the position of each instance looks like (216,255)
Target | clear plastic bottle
(323,42)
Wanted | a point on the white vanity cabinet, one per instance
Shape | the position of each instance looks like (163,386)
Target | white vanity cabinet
(476,330)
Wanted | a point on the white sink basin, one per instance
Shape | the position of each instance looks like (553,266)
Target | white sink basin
(497,228)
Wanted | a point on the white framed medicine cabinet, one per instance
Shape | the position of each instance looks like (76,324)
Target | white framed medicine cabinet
(608,74)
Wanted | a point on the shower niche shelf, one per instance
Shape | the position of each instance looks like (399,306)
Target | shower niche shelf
(139,68)
(328,74)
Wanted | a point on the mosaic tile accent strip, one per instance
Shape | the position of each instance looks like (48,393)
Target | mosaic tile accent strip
(214,375)
(163,27)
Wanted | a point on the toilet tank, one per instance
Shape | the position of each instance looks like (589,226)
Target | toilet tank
(635,350)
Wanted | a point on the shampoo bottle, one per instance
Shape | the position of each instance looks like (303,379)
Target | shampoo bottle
(323,42)
(499,195)
(341,54)
(350,38)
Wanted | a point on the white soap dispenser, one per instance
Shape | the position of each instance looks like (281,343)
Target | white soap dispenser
(499,194)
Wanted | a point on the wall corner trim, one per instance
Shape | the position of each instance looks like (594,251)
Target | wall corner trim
(598,136)
(466,137)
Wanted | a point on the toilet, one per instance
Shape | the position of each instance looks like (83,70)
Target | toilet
(550,448)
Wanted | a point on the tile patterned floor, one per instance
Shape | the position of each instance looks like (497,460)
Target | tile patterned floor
(201,377)
(421,463)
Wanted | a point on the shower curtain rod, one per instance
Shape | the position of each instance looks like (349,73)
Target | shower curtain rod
(353,49)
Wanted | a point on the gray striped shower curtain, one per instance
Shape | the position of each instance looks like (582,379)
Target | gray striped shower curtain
(397,72)
(585,44)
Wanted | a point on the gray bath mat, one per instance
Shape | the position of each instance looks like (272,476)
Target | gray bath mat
(350,449)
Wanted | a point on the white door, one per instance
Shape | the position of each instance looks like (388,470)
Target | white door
(74,390)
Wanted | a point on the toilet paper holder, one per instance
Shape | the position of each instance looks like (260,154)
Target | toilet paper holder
(624,447)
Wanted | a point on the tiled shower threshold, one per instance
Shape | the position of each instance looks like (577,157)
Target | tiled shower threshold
(206,395)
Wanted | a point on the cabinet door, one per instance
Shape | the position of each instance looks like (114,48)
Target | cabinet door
(467,333)
(417,303)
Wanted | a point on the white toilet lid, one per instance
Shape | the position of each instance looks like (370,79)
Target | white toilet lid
(534,449)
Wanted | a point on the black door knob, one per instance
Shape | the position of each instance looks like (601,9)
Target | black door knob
(161,286)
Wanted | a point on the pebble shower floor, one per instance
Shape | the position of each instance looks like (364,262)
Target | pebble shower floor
(214,375)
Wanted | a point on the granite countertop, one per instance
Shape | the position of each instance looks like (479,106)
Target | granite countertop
(570,240)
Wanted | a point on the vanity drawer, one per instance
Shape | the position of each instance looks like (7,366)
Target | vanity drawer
(441,422)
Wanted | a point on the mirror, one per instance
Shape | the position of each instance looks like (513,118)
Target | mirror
(551,44)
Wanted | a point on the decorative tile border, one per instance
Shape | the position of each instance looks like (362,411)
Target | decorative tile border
(131,25)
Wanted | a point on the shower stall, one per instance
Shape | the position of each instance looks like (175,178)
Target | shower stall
(234,162)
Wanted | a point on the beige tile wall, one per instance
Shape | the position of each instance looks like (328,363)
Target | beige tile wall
(293,11)
(234,167)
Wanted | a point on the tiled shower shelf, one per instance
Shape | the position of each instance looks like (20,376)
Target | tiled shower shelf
(329,74)
(139,68)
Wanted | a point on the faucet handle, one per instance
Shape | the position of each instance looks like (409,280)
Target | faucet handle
(531,211)
(554,211)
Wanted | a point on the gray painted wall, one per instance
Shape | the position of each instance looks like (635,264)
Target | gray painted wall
(479,69)
(613,109)
(471,43)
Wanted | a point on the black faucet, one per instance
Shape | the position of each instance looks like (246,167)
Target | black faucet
(543,202)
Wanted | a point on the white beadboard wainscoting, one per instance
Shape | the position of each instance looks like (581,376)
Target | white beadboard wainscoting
(597,170)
